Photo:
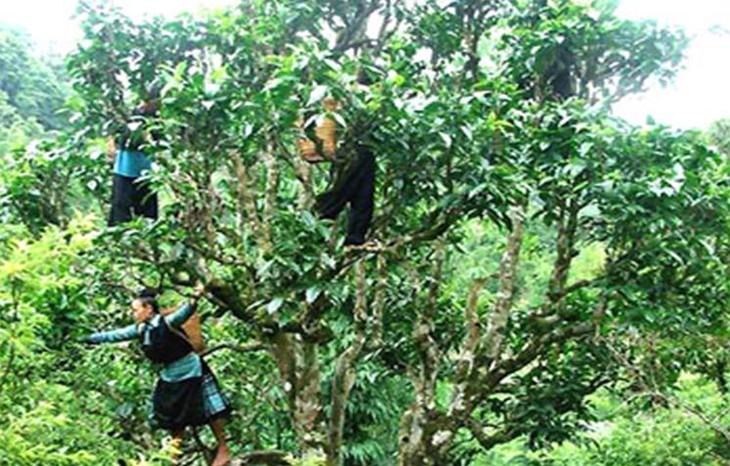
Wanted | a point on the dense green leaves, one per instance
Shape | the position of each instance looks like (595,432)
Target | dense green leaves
(534,247)
(34,86)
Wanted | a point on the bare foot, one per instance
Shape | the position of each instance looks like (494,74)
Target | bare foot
(222,457)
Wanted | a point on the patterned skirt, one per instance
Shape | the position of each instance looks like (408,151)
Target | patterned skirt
(215,402)
(191,402)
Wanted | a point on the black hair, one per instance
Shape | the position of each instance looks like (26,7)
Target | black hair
(148,296)
(365,77)
(149,102)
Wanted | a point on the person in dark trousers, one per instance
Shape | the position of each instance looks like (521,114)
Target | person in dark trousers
(131,194)
(352,182)
(353,185)
(187,393)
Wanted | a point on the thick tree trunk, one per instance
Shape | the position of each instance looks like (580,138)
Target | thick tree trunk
(412,436)
(308,408)
(299,371)
(492,343)
(460,402)
(246,203)
(480,349)
(345,370)
(306,190)
(272,187)
(416,429)
(375,339)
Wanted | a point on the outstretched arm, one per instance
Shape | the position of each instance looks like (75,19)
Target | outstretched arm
(183,313)
(129,332)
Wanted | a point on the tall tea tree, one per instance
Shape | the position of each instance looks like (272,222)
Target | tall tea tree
(496,114)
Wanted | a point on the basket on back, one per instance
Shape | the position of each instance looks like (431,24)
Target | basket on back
(325,131)
(192,329)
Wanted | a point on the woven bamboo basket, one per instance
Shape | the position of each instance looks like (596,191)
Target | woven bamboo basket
(326,131)
(330,104)
(308,150)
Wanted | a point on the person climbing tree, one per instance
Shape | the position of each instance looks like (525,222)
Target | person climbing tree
(187,393)
(353,174)
(131,194)
(353,184)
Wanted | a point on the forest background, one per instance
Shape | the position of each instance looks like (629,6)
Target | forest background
(552,288)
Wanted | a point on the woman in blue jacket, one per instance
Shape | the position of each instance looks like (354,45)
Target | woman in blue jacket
(187,393)
(131,192)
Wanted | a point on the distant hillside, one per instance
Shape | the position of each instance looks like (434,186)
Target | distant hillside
(32,90)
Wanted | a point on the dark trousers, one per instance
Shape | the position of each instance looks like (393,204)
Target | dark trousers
(131,197)
(356,187)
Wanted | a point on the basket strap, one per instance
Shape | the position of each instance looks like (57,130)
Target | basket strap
(180,334)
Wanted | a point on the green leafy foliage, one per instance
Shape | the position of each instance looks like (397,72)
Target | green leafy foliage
(622,435)
(719,135)
(599,249)
(34,86)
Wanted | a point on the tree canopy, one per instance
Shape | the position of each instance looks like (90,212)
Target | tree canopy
(534,248)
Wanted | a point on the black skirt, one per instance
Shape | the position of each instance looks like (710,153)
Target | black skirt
(190,402)
(179,404)
(131,197)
